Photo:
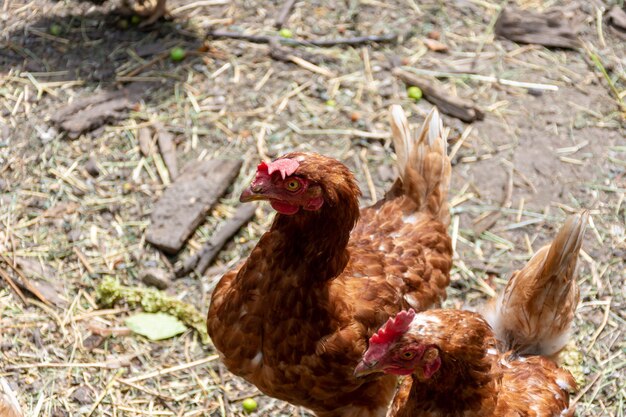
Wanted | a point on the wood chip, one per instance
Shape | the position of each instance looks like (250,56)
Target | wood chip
(448,104)
(549,29)
(144,136)
(168,149)
(202,259)
(91,112)
(184,204)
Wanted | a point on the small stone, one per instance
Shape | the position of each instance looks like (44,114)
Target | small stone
(73,235)
(4,186)
(82,395)
(91,166)
(434,34)
(155,277)
(93,341)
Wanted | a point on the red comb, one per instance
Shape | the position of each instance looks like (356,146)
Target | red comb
(395,326)
(285,166)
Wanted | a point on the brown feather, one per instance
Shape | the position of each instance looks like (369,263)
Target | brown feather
(534,313)
(295,318)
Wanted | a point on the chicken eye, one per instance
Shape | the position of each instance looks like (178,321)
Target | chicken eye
(408,355)
(292,185)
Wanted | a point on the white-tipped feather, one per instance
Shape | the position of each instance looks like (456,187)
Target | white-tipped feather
(534,313)
(423,161)
(401,134)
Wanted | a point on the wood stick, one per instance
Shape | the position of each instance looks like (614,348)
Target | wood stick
(284,13)
(322,43)
(201,260)
(13,286)
(26,282)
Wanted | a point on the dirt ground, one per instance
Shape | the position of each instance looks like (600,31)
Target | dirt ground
(538,156)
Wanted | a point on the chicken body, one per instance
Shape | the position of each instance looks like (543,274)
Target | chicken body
(476,380)
(294,319)
(457,365)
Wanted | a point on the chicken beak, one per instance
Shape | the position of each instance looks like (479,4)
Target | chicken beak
(366,368)
(252,193)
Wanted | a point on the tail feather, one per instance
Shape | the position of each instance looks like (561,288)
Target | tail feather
(423,162)
(535,312)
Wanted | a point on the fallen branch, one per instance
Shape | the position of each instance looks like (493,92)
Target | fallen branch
(287,54)
(322,43)
(484,78)
(201,260)
(448,104)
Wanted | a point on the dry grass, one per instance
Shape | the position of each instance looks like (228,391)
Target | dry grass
(516,176)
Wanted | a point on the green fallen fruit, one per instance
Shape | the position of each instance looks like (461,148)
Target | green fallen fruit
(285,33)
(122,24)
(414,92)
(331,103)
(135,20)
(249,405)
(55,29)
(177,54)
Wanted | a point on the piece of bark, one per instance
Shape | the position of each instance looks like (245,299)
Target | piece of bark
(91,112)
(95,116)
(185,202)
(200,261)
(82,103)
(168,149)
(448,104)
(550,29)
(145,141)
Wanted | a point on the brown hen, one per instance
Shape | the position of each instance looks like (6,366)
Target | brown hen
(457,366)
(295,318)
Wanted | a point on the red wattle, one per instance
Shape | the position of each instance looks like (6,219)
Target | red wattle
(284,208)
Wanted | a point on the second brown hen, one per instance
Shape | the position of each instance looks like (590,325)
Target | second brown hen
(295,318)
(456,365)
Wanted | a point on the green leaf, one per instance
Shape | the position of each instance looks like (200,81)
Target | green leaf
(155,326)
